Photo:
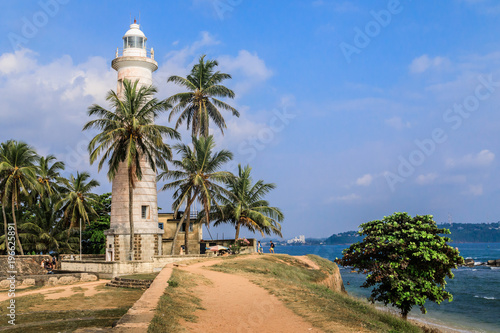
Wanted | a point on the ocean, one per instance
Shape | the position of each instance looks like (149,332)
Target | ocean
(476,291)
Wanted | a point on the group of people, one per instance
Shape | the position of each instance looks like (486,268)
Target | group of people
(49,265)
(260,249)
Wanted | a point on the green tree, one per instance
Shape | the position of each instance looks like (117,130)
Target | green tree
(17,166)
(198,177)
(77,199)
(128,135)
(94,239)
(48,175)
(246,206)
(406,260)
(43,230)
(200,103)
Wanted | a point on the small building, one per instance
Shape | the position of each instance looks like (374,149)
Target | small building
(168,223)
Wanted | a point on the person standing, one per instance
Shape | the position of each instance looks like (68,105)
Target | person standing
(271,249)
(259,247)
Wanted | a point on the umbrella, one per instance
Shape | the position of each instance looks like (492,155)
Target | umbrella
(217,248)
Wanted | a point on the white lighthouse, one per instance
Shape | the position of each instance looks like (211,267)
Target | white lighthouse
(134,63)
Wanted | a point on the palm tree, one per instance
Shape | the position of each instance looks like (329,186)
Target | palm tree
(200,103)
(17,164)
(77,199)
(3,149)
(44,230)
(129,135)
(49,175)
(197,178)
(246,206)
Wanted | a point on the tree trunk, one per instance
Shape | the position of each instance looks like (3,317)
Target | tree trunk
(188,207)
(5,224)
(15,227)
(238,225)
(404,315)
(131,211)
(186,234)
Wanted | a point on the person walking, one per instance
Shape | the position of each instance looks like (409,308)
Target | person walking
(259,248)
(271,249)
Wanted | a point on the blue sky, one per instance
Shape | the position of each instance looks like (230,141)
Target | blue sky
(355,109)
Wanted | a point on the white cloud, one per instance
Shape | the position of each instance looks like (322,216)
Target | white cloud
(475,190)
(426,179)
(247,68)
(482,159)
(365,180)
(398,123)
(424,62)
(345,198)
(20,61)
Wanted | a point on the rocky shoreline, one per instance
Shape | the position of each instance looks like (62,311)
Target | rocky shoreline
(490,263)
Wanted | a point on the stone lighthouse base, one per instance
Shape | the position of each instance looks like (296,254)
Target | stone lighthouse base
(146,245)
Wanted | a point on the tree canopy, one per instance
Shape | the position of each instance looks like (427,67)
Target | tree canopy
(405,259)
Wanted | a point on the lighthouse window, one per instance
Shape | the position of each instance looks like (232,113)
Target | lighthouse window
(133,42)
(145,212)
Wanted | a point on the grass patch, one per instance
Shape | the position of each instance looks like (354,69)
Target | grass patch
(35,313)
(178,303)
(146,276)
(298,288)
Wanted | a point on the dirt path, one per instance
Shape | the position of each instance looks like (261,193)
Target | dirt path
(62,291)
(234,304)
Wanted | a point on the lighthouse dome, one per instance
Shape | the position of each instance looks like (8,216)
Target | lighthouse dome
(134,37)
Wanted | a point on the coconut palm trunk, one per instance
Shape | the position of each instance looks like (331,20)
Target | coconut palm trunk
(184,216)
(238,225)
(131,210)
(4,223)
(18,241)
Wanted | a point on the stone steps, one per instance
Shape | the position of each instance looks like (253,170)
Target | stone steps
(129,283)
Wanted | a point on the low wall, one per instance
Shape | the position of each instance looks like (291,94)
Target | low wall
(111,269)
(25,265)
(48,279)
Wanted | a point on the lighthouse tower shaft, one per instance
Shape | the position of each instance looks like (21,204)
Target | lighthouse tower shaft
(134,63)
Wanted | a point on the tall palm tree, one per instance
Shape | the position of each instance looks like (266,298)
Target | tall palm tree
(200,103)
(49,174)
(197,178)
(129,135)
(17,164)
(246,207)
(77,199)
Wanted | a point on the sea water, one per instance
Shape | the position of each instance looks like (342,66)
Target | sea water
(476,291)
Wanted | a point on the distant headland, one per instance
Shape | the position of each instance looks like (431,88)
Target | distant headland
(460,233)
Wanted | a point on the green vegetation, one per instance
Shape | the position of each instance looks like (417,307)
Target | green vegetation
(145,276)
(303,291)
(406,260)
(198,177)
(47,207)
(177,304)
(245,206)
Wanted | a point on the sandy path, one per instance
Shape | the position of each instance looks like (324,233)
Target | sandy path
(61,291)
(234,304)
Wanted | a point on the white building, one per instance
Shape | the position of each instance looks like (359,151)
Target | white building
(297,240)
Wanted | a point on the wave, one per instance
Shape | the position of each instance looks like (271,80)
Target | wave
(485,297)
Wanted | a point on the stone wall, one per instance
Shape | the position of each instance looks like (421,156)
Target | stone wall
(25,265)
(111,269)
(48,279)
